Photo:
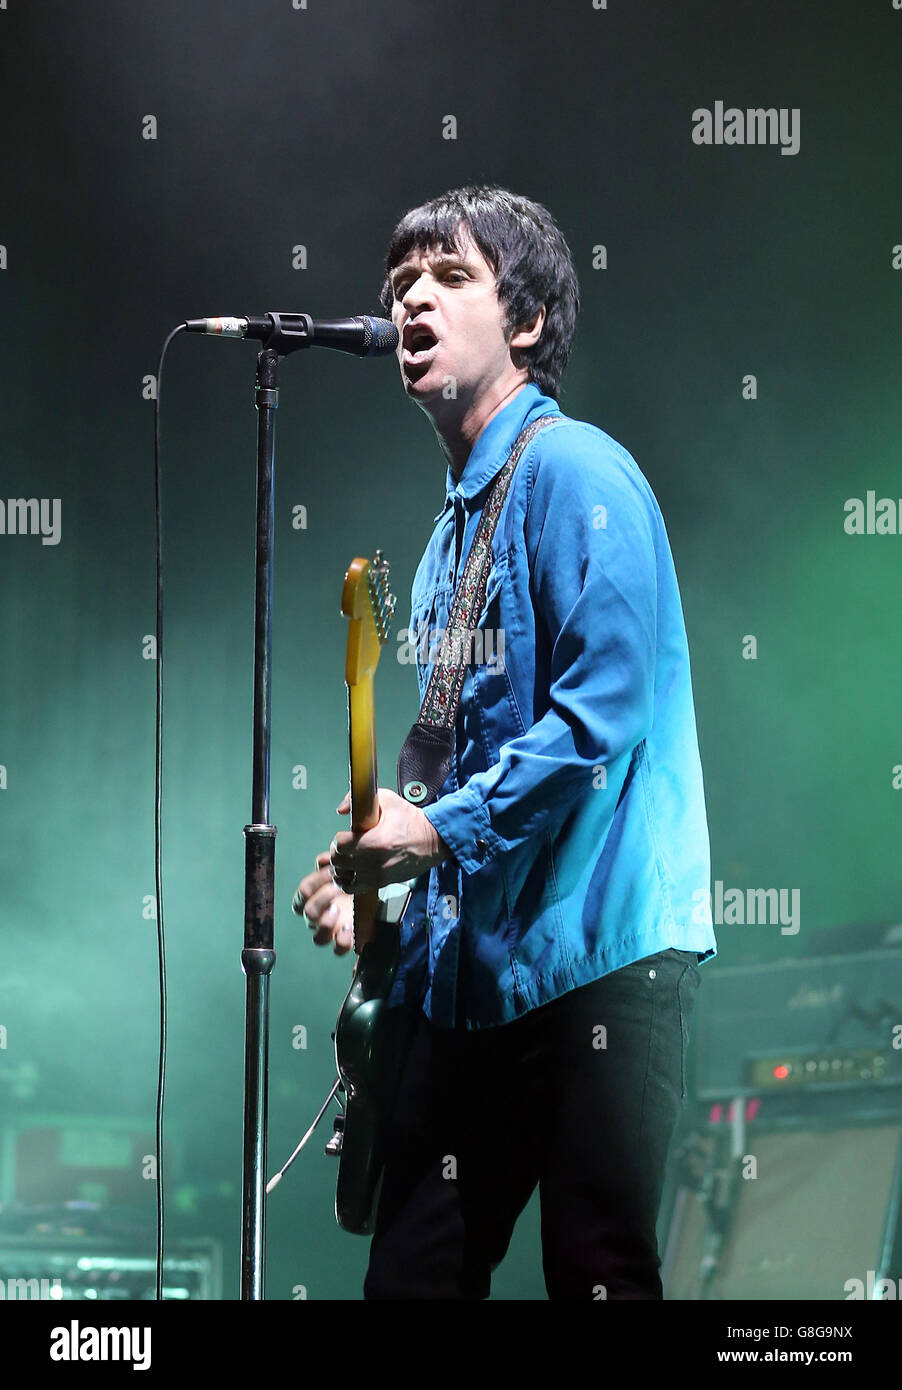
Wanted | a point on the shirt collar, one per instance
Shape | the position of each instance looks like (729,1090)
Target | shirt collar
(492,449)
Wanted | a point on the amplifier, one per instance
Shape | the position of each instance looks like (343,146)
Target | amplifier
(804,1210)
(785,1177)
(818,1023)
(74,1158)
(79,1267)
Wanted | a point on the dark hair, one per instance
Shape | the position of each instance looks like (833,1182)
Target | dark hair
(527,252)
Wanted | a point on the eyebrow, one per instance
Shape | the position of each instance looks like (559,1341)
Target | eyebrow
(441,259)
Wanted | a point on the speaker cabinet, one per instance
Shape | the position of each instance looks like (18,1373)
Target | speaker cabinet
(822,1209)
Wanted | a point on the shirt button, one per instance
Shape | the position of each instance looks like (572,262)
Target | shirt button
(481,846)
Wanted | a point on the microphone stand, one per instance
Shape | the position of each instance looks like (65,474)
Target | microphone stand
(280,334)
(283,334)
(258,956)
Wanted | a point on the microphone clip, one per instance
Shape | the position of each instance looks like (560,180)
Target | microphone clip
(288,333)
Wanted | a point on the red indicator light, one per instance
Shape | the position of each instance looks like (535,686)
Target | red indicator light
(781,1072)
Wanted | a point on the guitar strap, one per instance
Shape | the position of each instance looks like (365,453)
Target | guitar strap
(426,757)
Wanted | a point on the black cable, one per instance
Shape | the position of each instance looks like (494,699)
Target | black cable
(158,790)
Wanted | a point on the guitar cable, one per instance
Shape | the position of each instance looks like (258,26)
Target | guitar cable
(274,1182)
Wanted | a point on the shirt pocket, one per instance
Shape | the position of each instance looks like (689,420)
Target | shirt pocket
(499,713)
(420,636)
(428,613)
(488,619)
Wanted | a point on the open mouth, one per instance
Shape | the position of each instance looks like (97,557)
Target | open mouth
(419,344)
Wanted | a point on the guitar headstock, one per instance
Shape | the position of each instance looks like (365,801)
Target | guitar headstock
(370,604)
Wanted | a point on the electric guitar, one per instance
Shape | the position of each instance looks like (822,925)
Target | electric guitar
(368,1036)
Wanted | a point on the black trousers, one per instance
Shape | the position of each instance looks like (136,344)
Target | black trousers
(581,1097)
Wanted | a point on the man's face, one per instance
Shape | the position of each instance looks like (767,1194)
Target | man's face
(453,344)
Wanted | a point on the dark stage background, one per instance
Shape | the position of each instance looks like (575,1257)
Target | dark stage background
(163,161)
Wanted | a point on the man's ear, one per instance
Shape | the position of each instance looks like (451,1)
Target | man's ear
(528,334)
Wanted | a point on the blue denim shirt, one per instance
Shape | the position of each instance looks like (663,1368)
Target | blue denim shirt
(575,809)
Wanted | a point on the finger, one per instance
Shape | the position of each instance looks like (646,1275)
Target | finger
(342,845)
(344,880)
(344,940)
(308,886)
(360,880)
(323,906)
(320,879)
(326,925)
(341,865)
(342,937)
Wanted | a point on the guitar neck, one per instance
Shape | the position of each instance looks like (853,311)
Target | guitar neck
(367,600)
(364,791)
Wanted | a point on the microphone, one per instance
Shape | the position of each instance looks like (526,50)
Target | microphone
(363,336)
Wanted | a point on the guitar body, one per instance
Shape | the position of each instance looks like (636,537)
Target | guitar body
(363,1048)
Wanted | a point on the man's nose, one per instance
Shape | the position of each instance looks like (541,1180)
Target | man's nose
(418,294)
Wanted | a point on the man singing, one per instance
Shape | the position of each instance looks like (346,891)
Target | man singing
(550,952)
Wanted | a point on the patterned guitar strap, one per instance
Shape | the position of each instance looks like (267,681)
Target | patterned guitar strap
(426,757)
